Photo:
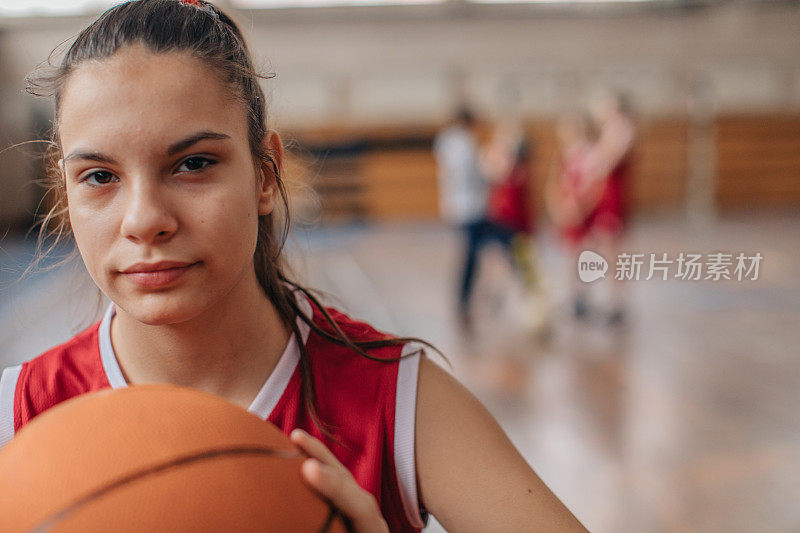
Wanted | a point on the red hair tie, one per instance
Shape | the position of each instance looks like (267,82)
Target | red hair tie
(191,2)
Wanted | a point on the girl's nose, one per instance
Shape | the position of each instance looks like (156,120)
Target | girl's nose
(147,218)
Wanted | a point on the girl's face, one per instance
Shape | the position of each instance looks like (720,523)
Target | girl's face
(162,190)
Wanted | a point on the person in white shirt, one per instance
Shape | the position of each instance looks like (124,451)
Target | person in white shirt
(463,192)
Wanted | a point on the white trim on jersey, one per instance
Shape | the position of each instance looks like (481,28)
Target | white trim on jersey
(107,356)
(267,398)
(269,394)
(405,412)
(8,386)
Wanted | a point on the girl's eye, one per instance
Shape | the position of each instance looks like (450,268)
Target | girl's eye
(193,164)
(101,177)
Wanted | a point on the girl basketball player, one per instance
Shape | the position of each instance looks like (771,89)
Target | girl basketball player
(170,182)
(564,193)
(592,210)
(608,170)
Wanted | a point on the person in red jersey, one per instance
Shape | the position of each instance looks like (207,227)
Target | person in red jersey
(603,202)
(608,166)
(508,162)
(564,193)
(167,177)
(587,200)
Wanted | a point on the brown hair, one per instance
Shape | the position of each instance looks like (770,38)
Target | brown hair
(202,29)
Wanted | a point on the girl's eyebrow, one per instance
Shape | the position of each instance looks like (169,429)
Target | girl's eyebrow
(173,149)
(196,137)
(91,156)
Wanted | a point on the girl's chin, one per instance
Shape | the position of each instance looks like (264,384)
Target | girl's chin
(161,313)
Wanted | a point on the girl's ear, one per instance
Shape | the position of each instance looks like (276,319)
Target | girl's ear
(269,183)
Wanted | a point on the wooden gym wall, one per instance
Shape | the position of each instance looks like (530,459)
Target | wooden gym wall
(388,173)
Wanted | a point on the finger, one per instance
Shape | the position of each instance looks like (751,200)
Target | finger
(314,447)
(344,493)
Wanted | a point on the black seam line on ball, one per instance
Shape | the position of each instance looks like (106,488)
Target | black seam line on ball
(180,461)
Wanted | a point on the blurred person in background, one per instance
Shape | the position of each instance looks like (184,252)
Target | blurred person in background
(588,201)
(507,163)
(603,198)
(462,196)
(574,134)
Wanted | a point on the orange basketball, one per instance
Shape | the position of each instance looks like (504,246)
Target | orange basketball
(155,458)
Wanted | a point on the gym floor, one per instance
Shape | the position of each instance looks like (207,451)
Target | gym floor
(683,418)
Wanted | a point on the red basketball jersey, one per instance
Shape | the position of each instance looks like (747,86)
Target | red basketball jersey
(368,406)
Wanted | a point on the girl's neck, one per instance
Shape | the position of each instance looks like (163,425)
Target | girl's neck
(229,350)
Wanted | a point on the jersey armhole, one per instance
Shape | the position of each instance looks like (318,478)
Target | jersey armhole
(404,434)
(8,387)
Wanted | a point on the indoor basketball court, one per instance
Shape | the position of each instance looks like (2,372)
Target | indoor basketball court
(651,384)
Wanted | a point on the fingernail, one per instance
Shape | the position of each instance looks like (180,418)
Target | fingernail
(297,432)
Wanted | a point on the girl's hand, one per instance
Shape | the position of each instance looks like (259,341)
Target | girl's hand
(327,476)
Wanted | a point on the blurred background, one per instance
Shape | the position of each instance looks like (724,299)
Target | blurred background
(679,416)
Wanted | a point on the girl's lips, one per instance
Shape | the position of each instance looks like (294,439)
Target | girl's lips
(156,278)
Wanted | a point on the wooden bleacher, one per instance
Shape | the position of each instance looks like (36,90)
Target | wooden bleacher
(758,160)
(388,173)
